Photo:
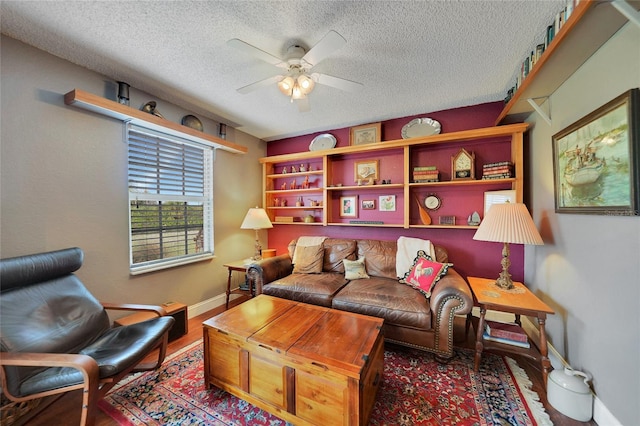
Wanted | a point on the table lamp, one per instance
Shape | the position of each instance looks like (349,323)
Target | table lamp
(256,219)
(508,223)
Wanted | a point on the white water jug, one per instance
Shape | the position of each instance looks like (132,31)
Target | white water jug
(569,393)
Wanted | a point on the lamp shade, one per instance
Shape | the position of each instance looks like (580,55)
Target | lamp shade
(508,223)
(256,218)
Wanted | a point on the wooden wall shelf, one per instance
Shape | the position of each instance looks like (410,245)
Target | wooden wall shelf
(94,103)
(403,156)
(591,24)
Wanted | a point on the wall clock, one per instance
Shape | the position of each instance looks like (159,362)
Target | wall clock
(463,165)
(432,202)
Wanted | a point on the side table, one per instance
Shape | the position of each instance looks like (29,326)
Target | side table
(519,302)
(237,266)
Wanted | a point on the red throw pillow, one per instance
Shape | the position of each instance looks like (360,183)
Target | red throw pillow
(425,273)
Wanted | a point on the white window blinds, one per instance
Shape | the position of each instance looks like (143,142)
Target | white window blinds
(170,200)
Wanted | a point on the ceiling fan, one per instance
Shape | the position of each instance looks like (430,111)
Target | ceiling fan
(298,81)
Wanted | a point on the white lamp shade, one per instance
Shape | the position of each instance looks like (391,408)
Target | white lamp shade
(508,223)
(256,218)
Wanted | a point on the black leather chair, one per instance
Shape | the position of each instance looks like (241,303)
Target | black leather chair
(56,337)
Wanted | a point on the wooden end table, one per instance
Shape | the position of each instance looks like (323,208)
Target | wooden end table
(520,302)
(238,266)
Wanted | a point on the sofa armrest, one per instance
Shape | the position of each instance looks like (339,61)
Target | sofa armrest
(450,297)
(267,270)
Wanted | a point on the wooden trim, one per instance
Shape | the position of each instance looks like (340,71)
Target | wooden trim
(94,103)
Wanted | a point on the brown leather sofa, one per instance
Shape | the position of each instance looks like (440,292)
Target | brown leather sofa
(410,318)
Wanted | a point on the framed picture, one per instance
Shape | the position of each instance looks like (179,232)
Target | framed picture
(365,170)
(349,206)
(596,160)
(387,203)
(368,205)
(498,197)
(368,133)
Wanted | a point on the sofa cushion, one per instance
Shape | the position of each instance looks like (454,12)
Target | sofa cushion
(308,259)
(425,273)
(380,258)
(316,289)
(335,251)
(385,298)
(354,269)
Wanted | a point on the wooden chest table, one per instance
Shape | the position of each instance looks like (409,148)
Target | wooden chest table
(306,364)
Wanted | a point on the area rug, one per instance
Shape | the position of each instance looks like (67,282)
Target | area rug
(416,390)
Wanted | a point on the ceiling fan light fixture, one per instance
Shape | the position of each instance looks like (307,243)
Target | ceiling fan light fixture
(286,85)
(306,83)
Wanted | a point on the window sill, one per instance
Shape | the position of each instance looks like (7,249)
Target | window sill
(166,264)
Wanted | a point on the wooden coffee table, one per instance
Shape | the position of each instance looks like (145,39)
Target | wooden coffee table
(305,364)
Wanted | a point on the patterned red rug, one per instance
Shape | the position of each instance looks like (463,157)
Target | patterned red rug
(416,390)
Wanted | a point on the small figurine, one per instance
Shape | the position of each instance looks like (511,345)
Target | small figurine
(276,202)
(283,186)
(299,202)
(305,183)
(283,203)
(284,170)
(293,169)
(303,168)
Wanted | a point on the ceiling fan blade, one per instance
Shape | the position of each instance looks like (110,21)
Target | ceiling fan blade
(255,52)
(303,104)
(337,82)
(331,42)
(259,84)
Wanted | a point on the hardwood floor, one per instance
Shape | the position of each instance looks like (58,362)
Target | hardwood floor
(66,409)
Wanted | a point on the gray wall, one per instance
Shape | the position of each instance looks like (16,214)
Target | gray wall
(64,183)
(589,268)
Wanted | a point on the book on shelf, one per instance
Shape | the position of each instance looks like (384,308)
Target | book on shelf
(497,169)
(498,176)
(425,168)
(505,330)
(497,164)
(519,344)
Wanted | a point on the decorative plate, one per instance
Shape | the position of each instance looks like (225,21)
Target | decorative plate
(432,202)
(420,127)
(192,121)
(323,141)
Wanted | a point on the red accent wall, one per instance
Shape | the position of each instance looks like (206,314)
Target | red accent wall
(470,257)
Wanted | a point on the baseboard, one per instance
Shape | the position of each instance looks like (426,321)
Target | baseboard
(601,415)
(207,305)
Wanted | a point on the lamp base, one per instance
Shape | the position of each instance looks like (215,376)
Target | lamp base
(257,255)
(504,279)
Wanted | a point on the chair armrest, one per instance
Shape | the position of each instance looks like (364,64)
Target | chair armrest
(268,270)
(159,310)
(84,363)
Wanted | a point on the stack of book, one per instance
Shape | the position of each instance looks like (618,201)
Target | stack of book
(508,333)
(423,174)
(499,170)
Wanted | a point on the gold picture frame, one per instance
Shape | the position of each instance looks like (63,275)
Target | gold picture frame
(365,170)
(365,134)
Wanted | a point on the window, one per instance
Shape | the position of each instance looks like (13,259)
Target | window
(170,200)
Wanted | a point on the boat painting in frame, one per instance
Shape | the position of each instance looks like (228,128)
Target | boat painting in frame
(596,160)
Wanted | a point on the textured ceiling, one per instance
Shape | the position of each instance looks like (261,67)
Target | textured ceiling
(411,56)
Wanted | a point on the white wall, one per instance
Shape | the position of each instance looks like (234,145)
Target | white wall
(589,268)
(64,182)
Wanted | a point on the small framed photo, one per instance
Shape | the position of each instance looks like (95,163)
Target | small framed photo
(368,133)
(596,160)
(349,206)
(365,170)
(387,203)
(447,220)
(498,197)
(368,205)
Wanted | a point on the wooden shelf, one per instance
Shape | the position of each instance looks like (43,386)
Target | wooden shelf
(366,187)
(94,103)
(336,162)
(463,182)
(286,175)
(590,25)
